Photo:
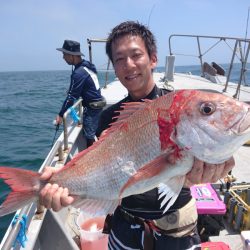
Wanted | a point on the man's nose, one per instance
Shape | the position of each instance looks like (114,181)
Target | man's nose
(129,62)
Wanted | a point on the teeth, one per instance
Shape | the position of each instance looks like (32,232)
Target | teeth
(131,77)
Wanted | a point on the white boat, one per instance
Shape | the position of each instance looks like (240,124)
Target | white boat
(49,230)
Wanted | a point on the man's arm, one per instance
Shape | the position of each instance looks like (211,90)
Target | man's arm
(74,92)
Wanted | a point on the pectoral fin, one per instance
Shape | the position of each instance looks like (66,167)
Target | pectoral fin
(96,208)
(169,191)
(148,171)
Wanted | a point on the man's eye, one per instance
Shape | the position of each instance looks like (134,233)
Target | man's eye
(119,59)
(137,55)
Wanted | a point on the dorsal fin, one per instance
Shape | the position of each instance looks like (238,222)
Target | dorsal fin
(128,109)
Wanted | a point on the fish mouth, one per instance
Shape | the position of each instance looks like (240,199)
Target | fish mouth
(243,124)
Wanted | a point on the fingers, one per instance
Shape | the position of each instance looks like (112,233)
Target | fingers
(202,172)
(58,120)
(46,195)
(195,175)
(66,200)
(55,197)
(210,172)
(229,164)
(42,194)
(214,172)
(48,172)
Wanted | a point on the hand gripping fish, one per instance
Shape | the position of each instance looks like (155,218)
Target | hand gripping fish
(131,157)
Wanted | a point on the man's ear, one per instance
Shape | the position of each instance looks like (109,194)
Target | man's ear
(154,60)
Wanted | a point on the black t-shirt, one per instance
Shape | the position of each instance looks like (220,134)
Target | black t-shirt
(144,205)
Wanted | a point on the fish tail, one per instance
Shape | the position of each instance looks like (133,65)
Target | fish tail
(25,186)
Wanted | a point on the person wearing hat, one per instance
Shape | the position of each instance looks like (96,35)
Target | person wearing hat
(84,83)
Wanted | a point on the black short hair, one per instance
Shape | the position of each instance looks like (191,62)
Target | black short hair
(134,29)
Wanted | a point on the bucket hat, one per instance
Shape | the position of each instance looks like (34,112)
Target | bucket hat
(71,47)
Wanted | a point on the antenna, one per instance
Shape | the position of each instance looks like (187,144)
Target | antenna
(246,29)
(151,11)
(244,53)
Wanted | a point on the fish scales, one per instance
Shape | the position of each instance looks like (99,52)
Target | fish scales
(131,157)
(121,157)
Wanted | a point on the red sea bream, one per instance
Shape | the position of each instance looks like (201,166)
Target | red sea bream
(131,157)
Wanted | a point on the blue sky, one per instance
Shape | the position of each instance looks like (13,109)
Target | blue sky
(32,30)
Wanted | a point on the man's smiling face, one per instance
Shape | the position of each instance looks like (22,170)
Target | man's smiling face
(133,66)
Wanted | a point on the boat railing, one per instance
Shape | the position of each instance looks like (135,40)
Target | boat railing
(77,104)
(238,49)
(90,41)
(13,231)
(57,151)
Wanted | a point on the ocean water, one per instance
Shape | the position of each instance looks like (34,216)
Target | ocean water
(29,102)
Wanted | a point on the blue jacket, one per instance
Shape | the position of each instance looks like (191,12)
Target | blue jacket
(84,83)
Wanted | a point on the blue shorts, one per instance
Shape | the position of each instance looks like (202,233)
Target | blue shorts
(90,122)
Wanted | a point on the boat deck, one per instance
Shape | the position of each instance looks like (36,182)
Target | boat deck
(189,81)
(242,174)
(242,156)
(115,91)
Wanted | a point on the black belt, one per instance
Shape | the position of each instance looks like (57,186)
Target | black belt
(97,104)
(124,214)
(131,218)
(137,220)
(148,233)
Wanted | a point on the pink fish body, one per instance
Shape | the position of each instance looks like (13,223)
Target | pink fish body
(131,157)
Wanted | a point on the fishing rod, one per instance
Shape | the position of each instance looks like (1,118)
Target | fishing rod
(56,130)
(151,11)
(57,125)
(74,117)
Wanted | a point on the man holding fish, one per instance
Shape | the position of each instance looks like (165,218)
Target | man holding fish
(140,221)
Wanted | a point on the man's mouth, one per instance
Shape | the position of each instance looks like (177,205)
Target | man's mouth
(131,77)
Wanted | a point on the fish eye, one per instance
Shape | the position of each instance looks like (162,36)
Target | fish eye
(207,108)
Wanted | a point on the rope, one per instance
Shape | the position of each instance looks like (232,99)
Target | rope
(168,86)
(74,115)
(21,236)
